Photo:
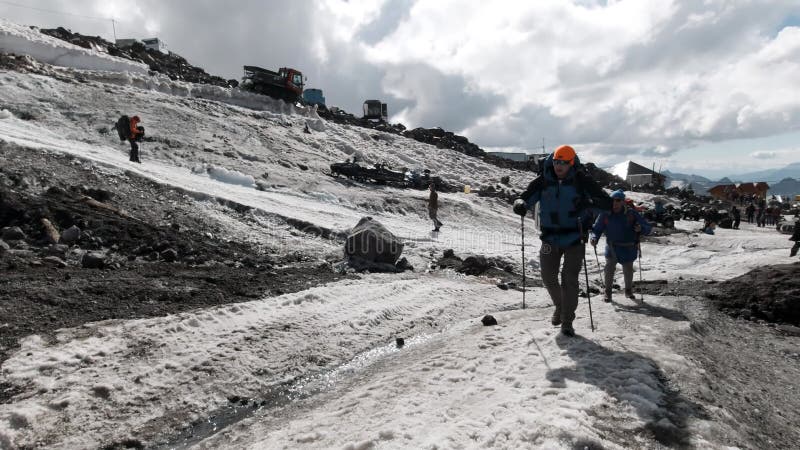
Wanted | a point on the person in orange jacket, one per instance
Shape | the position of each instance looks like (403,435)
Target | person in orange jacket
(134,136)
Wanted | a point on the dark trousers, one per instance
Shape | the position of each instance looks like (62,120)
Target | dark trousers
(565,293)
(433,214)
(795,248)
(134,155)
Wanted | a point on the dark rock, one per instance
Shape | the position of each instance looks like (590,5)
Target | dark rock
(13,234)
(403,265)
(92,260)
(302,166)
(474,265)
(101,391)
(71,235)
(502,286)
(101,195)
(370,241)
(449,253)
(169,255)
(399,342)
(488,320)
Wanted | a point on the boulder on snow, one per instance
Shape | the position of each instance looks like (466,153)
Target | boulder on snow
(488,320)
(71,235)
(369,241)
(474,265)
(13,234)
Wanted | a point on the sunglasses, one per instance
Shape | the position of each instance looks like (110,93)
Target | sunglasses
(561,162)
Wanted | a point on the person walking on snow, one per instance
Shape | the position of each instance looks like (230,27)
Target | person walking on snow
(135,135)
(796,238)
(737,217)
(622,227)
(433,207)
(565,195)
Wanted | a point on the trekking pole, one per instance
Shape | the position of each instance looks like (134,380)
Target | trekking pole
(596,258)
(602,272)
(639,247)
(586,272)
(522,223)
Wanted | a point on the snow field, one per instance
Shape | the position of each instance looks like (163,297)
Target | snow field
(191,362)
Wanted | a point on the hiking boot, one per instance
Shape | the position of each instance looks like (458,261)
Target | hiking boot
(607,298)
(556,319)
(629,294)
(567,330)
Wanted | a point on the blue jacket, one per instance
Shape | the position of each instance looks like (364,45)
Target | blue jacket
(621,240)
(565,206)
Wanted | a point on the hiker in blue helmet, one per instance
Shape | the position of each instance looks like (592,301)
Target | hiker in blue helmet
(566,195)
(623,227)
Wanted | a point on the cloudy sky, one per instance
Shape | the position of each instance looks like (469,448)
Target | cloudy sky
(708,87)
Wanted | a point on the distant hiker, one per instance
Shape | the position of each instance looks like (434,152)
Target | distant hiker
(761,213)
(796,238)
(130,130)
(623,226)
(566,195)
(737,217)
(433,207)
(750,211)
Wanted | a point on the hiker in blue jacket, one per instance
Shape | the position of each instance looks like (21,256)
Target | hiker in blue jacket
(566,196)
(623,226)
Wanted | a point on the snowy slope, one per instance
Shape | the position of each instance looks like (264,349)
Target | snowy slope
(456,384)
(28,41)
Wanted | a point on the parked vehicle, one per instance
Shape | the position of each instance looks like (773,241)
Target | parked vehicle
(375,110)
(285,84)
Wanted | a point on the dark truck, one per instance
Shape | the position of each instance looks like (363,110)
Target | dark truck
(285,84)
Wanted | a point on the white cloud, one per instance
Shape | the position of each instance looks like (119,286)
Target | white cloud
(764,155)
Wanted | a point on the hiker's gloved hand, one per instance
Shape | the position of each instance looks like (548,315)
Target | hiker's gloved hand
(593,241)
(637,227)
(520,208)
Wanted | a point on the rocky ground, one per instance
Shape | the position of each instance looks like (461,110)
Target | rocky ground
(770,293)
(116,254)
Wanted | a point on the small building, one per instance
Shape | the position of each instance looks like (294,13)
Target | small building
(636,174)
(155,44)
(733,192)
(510,156)
(314,97)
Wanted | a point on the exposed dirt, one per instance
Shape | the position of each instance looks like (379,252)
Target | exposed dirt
(159,255)
(770,293)
(750,372)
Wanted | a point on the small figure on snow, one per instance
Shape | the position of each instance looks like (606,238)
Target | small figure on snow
(433,207)
(566,194)
(623,227)
(796,238)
